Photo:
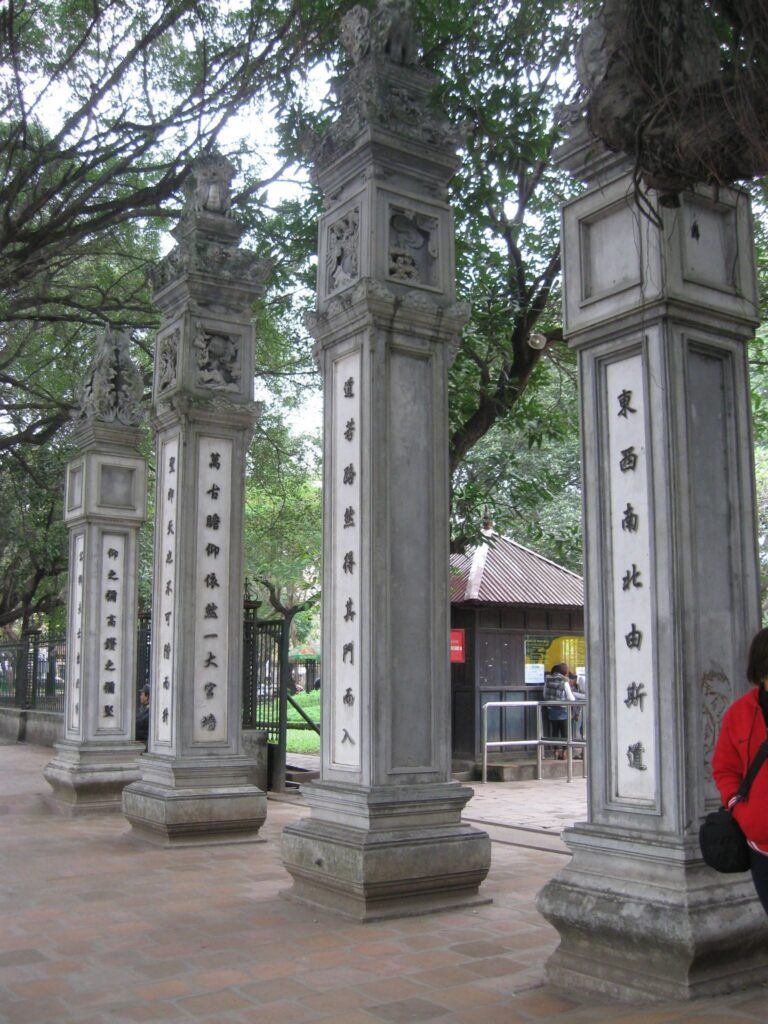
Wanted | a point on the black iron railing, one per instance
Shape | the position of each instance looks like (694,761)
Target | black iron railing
(33,672)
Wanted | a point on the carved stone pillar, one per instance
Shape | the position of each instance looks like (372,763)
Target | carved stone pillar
(385,835)
(660,314)
(196,784)
(105,504)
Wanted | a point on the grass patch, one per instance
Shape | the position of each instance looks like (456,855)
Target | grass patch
(302,741)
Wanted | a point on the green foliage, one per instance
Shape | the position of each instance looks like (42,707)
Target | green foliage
(302,741)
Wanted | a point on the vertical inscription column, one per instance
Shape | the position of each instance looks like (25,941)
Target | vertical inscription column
(197,784)
(385,835)
(635,699)
(105,504)
(346,519)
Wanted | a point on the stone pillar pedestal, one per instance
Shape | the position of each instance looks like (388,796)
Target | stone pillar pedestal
(105,504)
(385,836)
(197,785)
(660,315)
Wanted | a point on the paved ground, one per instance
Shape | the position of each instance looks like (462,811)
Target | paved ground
(98,928)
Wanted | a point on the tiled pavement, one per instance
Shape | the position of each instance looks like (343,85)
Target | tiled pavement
(98,928)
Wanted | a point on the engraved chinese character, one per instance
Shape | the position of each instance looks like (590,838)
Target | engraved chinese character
(169,557)
(77,659)
(166,683)
(212,522)
(169,528)
(109,710)
(112,575)
(168,587)
(349,474)
(212,550)
(80,578)
(165,716)
(214,490)
(77,683)
(636,694)
(171,494)
(167,618)
(211,581)
(634,638)
(349,429)
(81,556)
(349,562)
(635,753)
(348,698)
(110,644)
(111,595)
(350,613)
(215,462)
(349,516)
(348,649)
(624,407)
(209,688)
(109,665)
(631,578)
(630,521)
(208,722)
(628,459)
(349,387)
(166,651)
(172,464)
(211,611)
(111,620)
(109,686)
(346,738)
(112,553)
(210,661)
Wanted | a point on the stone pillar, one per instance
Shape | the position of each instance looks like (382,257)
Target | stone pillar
(385,835)
(660,314)
(105,504)
(197,785)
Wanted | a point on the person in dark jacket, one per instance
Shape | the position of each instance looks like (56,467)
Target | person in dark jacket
(557,687)
(142,716)
(745,726)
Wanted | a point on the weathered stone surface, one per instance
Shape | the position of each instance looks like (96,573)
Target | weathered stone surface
(88,777)
(660,313)
(385,835)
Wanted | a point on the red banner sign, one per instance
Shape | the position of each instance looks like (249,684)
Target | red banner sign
(457,646)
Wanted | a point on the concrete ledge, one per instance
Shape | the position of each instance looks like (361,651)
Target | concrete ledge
(20,725)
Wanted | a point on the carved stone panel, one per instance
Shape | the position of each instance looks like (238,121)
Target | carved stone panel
(413,247)
(75,640)
(217,359)
(343,252)
(167,361)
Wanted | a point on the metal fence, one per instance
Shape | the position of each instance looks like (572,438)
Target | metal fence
(33,672)
(540,741)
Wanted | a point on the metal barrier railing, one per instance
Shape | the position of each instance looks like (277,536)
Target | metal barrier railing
(541,741)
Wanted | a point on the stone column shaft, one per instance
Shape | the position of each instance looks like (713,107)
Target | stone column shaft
(660,316)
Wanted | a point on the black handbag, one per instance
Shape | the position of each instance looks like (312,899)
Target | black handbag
(723,844)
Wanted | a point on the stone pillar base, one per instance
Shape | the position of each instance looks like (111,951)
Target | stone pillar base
(195,801)
(393,852)
(90,777)
(640,921)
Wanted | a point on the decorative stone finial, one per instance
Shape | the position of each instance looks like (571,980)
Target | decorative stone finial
(113,390)
(387,32)
(386,88)
(208,189)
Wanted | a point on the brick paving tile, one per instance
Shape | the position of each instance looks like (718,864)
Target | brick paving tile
(214,1002)
(493,966)
(489,1015)
(168,988)
(543,1003)
(714,1018)
(353,1017)
(395,988)
(14,957)
(443,977)
(156,1012)
(460,997)
(406,1011)
(428,941)
(479,948)
(33,1011)
(280,1013)
(341,999)
(431,958)
(275,991)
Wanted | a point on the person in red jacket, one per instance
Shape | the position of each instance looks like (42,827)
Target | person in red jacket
(744,728)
